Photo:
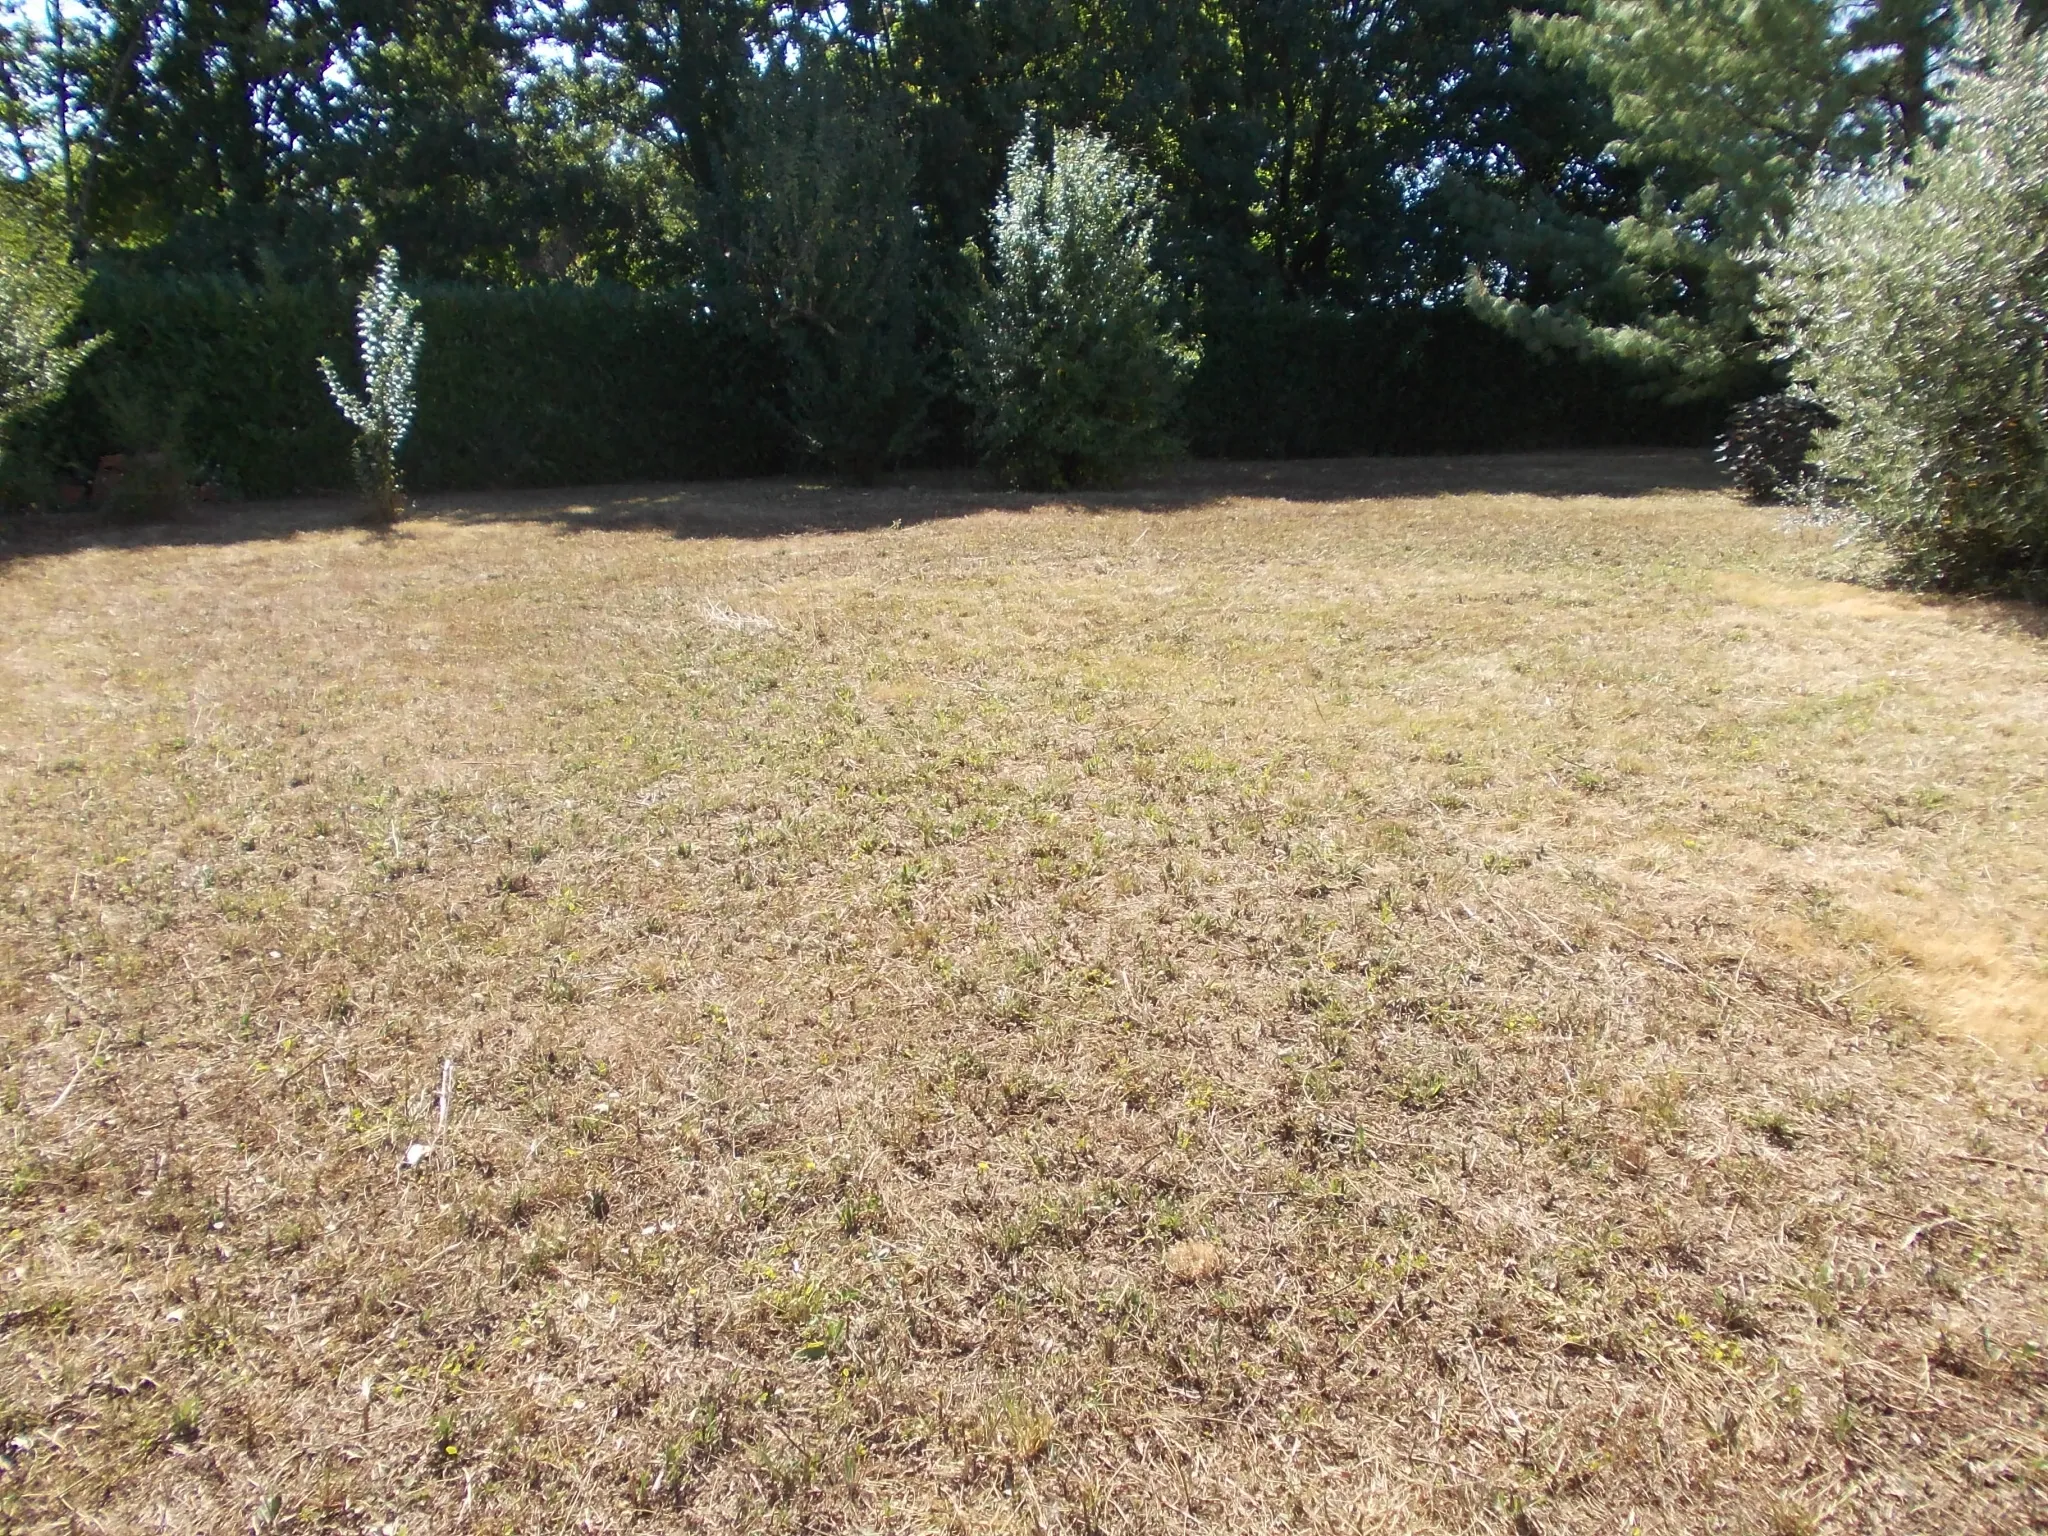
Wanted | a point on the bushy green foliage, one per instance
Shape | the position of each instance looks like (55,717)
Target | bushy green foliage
(506,141)
(231,364)
(831,252)
(1070,364)
(575,385)
(39,298)
(1917,311)
(388,331)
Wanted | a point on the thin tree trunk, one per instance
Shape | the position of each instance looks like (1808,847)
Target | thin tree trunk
(61,90)
(10,87)
(1913,89)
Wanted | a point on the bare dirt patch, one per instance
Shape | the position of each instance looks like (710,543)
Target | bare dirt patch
(1423,996)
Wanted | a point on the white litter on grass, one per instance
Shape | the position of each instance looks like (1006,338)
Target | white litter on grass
(444,1101)
(728,618)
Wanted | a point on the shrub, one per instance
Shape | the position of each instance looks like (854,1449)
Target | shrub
(1069,362)
(573,385)
(388,327)
(224,370)
(39,298)
(1916,309)
(1765,445)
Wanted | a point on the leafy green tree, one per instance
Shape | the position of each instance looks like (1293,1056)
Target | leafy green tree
(1299,144)
(967,74)
(693,68)
(1070,362)
(601,200)
(1302,148)
(1725,109)
(65,79)
(268,138)
(1916,310)
(1318,135)
(425,147)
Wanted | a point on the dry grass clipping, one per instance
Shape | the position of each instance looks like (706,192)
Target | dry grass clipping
(1294,1001)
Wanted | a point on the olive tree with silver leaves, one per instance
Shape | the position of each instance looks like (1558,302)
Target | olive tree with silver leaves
(1914,306)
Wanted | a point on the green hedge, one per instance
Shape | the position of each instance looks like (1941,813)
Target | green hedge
(530,386)
(1293,381)
(579,386)
(223,369)
(567,385)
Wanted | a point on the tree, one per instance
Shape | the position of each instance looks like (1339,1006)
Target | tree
(65,76)
(1915,307)
(425,149)
(1725,108)
(1069,361)
(692,66)
(266,138)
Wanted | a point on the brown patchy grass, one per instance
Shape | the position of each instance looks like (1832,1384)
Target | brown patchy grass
(1330,998)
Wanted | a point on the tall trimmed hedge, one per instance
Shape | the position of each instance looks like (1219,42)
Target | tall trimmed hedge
(565,385)
(578,386)
(526,386)
(1293,381)
(220,369)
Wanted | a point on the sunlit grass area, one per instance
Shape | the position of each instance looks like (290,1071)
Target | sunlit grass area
(1480,995)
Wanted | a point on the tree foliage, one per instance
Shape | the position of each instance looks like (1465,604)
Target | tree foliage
(1915,306)
(1303,148)
(1764,446)
(1599,178)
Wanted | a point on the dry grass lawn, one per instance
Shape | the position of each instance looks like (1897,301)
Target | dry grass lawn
(1472,996)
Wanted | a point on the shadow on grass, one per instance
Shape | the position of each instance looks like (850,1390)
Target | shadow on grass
(768,508)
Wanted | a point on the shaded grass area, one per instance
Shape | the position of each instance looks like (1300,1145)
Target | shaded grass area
(776,508)
(1307,1002)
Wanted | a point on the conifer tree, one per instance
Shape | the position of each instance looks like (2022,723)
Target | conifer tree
(1726,108)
